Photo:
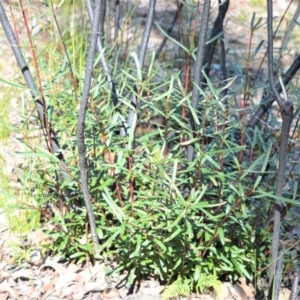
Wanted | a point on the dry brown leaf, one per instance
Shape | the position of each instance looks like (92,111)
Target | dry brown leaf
(232,291)
(7,257)
(52,294)
(149,284)
(47,274)
(37,237)
(110,294)
(38,282)
(35,257)
(79,292)
(4,274)
(96,296)
(248,289)
(91,286)
(4,296)
(68,291)
(86,275)
(153,290)
(98,271)
(11,282)
(285,294)
(79,295)
(14,239)
(26,290)
(80,289)
(2,265)
(35,296)
(2,288)
(73,268)
(8,289)
(60,270)
(48,287)
(25,273)
(84,239)
(66,279)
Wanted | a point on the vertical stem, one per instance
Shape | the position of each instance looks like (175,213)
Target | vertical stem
(91,13)
(142,53)
(294,292)
(198,69)
(81,122)
(33,91)
(278,275)
(286,108)
(116,29)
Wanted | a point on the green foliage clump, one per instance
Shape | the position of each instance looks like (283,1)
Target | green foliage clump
(156,212)
(186,222)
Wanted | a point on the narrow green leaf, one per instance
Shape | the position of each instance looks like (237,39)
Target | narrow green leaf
(237,266)
(189,229)
(13,84)
(263,168)
(110,241)
(138,243)
(138,66)
(173,235)
(117,211)
(252,21)
(172,39)
(175,168)
(221,235)
(215,38)
(160,244)
(257,49)
(267,195)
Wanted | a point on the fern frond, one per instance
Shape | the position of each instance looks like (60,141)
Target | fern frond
(183,287)
(209,280)
(176,289)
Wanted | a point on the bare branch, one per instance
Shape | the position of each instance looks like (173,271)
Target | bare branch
(81,121)
(198,68)
(102,59)
(267,102)
(161,46)
(142,52)
(270,53)
(287,112)
(42,114)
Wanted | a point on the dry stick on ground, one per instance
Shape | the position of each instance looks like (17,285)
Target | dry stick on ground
(198,70)
(286,108)
(81,122)
(42,111)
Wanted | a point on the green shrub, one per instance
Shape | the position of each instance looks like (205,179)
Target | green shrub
(158,213)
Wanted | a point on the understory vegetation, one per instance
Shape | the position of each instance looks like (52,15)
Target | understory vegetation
(181,151)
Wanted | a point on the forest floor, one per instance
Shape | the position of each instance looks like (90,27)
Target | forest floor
(38,276)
